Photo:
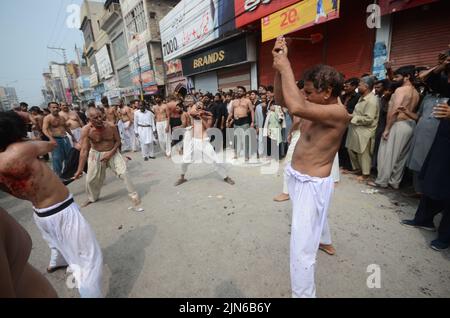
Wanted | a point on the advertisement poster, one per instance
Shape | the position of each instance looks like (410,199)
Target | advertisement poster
(298,16)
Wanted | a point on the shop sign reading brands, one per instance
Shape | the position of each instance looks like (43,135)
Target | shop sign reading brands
(228,53)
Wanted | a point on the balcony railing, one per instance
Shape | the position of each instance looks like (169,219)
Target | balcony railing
(111,15)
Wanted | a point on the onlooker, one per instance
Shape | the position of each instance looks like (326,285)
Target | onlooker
(401,121)
(361,132)
(435,174)
(350,98)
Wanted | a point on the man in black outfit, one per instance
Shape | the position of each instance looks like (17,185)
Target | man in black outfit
(435,174)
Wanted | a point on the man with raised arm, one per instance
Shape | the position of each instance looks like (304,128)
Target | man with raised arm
(310,182)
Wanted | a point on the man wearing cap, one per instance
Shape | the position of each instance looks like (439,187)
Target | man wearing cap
(361,132)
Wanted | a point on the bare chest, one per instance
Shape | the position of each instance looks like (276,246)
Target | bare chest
(100,135)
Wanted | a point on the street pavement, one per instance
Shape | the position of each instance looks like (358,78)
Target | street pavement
(206,238)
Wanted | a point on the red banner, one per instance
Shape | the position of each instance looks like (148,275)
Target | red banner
(391,6)
(248,11)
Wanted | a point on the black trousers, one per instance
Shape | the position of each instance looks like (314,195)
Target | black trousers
(428,209)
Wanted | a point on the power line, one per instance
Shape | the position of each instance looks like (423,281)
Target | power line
(56,21)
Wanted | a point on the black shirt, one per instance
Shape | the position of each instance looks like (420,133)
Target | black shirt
(352,101)
(438,83)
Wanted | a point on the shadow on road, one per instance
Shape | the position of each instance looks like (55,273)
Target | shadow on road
(125,259)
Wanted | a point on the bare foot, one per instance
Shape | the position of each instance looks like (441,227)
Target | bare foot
(329,249)
(85,204)
(281,197)
(229,180)
(180,181)
(362,178)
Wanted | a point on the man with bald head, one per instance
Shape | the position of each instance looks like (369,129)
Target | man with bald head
(100,141)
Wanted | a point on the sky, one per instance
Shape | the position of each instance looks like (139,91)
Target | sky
(27,27)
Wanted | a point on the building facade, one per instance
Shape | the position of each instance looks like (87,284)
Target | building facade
(8,98)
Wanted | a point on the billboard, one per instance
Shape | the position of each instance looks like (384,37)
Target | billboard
(298,16)
(189,25)
(248,11)
(103,63)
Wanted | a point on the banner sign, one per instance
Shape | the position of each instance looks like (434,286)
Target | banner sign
(299,16)
(248,11)
(191,24)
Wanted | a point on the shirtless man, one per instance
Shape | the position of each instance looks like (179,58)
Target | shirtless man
(56,129)
(239,115)
(100,142)
(126,116)
(37,121)
(110,112)
(57,216)
(400,125)
(73,121)
(17,277)
(197,148)
(310,182)
(162,126)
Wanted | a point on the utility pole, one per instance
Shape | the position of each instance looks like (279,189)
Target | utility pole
(68,76)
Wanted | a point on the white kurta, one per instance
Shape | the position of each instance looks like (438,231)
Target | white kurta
(144,125)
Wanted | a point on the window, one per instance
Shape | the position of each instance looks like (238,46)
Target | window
(135,20)
(119,47)
(124,77)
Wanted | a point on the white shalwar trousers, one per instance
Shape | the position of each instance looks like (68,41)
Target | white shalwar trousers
(197,150)
(72,242)
(163,137)
(129,137)
(310,198)
(147,150)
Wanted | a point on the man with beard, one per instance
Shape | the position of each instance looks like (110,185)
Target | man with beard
(100,142)
(56,129)
(400,124)
(73,121)
(241,108)
(144,128)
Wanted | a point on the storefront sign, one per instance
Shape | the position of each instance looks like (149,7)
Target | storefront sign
(298,16)
(391,6)
(191,24)
(228,53)
(248,11)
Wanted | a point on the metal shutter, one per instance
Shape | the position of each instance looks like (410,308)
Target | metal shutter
(229,78)
(420,34)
